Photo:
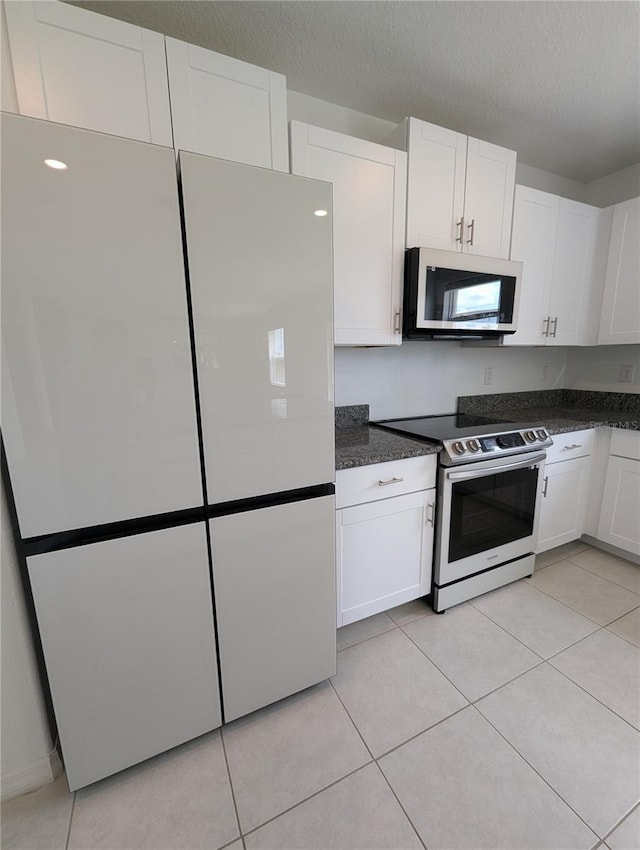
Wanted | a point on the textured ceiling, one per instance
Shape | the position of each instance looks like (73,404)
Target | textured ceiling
(556,80)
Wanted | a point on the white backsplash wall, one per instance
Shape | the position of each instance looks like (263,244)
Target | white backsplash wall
(419,378)
(598,368)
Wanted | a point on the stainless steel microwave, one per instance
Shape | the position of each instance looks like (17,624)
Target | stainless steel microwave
(448,295)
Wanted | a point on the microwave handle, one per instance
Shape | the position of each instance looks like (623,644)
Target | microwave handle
(532,460)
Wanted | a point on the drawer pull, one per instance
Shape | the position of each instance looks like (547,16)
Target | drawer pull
(544,486)
(571,447)
(390,481)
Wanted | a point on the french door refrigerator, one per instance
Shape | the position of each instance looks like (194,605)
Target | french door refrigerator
(172,493)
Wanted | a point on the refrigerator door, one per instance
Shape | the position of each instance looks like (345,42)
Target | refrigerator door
(127,634)
(274,574)
(97,391)
(261,284)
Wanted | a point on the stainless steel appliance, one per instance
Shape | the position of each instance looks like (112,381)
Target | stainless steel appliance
(448,295)
(489,490)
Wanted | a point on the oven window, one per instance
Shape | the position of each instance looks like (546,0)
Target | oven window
(491,510)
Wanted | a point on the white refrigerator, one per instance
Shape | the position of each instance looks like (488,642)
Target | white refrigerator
(168,426)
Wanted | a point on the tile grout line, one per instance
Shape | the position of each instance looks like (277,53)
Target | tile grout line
(306,799)
(621,821)
(406,814)
(233,793)
(588,693)
(353,722)
(71,813)
(610,580)
(364,640)
(546,782)
(575,610)
(506,630)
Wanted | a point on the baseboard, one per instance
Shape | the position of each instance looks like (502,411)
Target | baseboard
(31,777)
(613,550)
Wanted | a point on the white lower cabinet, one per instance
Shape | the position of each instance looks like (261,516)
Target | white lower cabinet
(620,513)
(565,489)
(384,546)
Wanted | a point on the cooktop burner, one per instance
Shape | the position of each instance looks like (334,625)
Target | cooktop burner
(467,437)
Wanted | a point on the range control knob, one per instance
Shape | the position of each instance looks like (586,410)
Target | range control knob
(530,436)
(473,445)
(458,447)
(542,434)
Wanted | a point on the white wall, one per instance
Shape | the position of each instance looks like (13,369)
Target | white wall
(535,178)
(619,186)
(427,377)
(598,368)
(27,761)
(320,113)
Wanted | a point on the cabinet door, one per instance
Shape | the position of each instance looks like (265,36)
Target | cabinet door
(97,393)
(369,186)
(436,174)
(621,505)
(620,320)
(223,107)
(563,506)
(488,199)
(128,641)
(535,223)
(274,576)
(260,276)
(384,554)
(76,67)
(572,282)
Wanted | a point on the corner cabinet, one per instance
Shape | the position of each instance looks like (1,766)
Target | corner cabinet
(384,535)
(226,108)
(460,190)
(565,489)
(76,67)
(369,186)
(556,240)
(620,317)
(619,525)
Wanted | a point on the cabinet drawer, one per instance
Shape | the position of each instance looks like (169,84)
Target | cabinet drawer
(573,444)
(625,444)
(383,480)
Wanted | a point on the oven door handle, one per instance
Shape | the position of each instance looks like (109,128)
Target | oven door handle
(532,460)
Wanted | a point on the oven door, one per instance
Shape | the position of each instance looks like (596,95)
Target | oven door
(488,514)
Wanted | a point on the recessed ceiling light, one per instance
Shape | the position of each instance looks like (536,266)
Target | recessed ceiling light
(321,212)
(57,164)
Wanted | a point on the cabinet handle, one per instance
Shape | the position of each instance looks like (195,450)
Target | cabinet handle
(571,447)
(459,226)
(545,326)
(390,481)
(396,321)
(544,486)
(471,227)
(555,326)
(429,520)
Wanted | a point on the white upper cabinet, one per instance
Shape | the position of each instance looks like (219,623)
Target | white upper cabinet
(620,318)
(369,186)
(555,239)
(76,67)
(223,107)
(460,190)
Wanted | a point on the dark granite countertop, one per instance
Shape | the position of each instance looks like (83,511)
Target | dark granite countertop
(560,411)
(361,444)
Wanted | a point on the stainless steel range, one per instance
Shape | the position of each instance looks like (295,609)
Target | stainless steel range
(489,489)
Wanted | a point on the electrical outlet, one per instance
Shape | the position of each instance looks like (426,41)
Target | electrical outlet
(626,373)
(488,375)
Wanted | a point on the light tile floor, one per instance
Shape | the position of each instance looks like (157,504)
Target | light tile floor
(510,722)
